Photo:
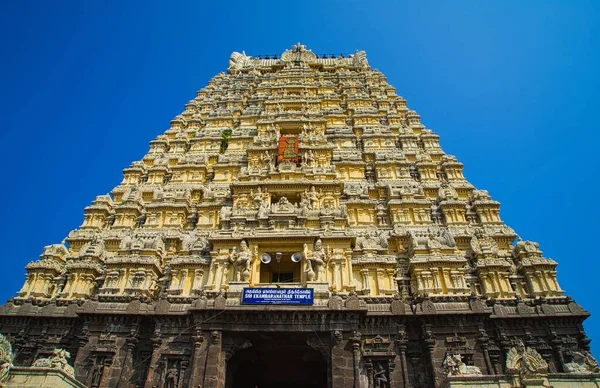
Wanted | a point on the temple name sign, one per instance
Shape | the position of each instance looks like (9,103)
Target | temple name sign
(296,296)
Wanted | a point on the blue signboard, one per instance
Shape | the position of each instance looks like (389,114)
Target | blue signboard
(303,296)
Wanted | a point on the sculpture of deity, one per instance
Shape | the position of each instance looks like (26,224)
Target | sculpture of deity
(379,376)
(171,377)
(241,261)
(316,261)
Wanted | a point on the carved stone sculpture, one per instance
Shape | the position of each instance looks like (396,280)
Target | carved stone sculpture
(380,379)
(525,361)
(172,377)
(241,261)
(58,360)
(315,261)
(454,366)
(582,362)
(6,359)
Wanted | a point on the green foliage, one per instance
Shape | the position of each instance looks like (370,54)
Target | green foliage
(225,135)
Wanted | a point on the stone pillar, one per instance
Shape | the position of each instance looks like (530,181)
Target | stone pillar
(369,367)
(429,340)
(355,341)
(214,375)
(197,282)
(105,367)
(390,275)
(83,353)
(484,341)
(365,278)
(198,360)
(379,280)
(336,276)
(182,368)
(127,363)
(156,345)
(400,377)
(342,363)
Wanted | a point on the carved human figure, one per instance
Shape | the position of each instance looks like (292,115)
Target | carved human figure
(380,208)
(97,374)
(263,210)
(241,261)
(225,213)
(313,198)
(379,376)
(127,240)
(257,198)
(171,377)
(309,158)
(316,261)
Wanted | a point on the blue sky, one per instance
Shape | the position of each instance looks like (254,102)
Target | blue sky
(511,87)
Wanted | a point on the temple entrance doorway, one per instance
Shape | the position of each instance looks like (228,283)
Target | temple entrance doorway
(275,361)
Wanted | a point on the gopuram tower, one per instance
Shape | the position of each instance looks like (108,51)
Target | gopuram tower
(295,226)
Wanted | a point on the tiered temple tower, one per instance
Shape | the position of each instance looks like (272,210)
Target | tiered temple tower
(286,174)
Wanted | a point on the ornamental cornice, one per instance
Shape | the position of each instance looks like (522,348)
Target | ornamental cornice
(186,261)
(132,259)
(92,265)
(45,264)
(456,259)
(538,262)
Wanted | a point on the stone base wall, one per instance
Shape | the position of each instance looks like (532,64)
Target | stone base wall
(556,380)
(30,377)
(390,344)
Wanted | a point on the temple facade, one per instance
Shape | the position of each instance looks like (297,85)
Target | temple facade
(297,225)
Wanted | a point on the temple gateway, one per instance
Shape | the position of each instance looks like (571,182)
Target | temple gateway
(295,226)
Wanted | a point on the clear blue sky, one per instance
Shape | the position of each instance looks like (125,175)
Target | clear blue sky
(511,87)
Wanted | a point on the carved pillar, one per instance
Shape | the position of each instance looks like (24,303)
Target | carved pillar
(182,368)
(484,341)
(558,347)
(156,345)
(390,275)
(402,345)
(342,362)
(429,340)
(214,375)
(107,362)
(369,368)
(212,273)
(198,360)
(197,284)
(349,273)
(83,353)
(336,276)
(355,341)
(127,364)
(182,279)
(379,280)
(365,278)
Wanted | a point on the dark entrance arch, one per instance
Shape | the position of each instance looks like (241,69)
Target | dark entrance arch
(275,361)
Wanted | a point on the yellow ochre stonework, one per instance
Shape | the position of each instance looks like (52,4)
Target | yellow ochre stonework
(297,171)
(371,182)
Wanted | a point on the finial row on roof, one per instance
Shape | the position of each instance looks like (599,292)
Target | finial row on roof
(298,53)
